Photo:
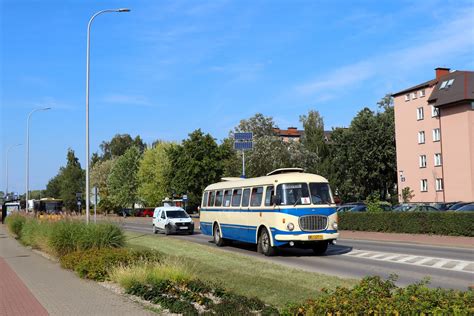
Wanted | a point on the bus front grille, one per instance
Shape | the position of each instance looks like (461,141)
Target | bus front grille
(313,223)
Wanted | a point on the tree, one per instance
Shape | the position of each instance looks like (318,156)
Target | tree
(313,140)
(53,189)
(99,174)
(119,144)
(153,174)
(258,124)
(195,164)
(407,194)
(72,180)
(122,182)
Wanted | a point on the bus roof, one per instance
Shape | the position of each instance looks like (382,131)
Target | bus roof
(289,177)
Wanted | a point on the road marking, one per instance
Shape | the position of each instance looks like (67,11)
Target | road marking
(437,263)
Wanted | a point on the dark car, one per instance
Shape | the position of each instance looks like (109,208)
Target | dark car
(422,208)
(125,212)
(352,208)
(402,207)
(466,208)
(457,205)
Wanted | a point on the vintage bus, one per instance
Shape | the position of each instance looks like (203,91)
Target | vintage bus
(285,208)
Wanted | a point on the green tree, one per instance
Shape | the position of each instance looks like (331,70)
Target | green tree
(122,182)
(99,174)
(258,124)
(195,164)
(153,174)
(72,181)
(53,188)
(119,144)
(314,141)
(407,194)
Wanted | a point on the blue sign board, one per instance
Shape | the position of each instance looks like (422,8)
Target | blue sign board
(243,136)
(243,145)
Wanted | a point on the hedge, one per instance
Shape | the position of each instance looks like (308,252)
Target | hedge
(436,223)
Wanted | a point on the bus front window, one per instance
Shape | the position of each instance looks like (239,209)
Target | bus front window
(293,194)
(320,193)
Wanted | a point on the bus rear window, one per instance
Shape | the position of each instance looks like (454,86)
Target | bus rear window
(256,197)
(227,196)
(320,193)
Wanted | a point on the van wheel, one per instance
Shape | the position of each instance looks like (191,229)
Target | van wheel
(218,240)
(320,248)
(264,244)
(155,231)
(167,230)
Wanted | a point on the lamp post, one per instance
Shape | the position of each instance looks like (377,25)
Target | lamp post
(6,167)
(28,154)
(87,100)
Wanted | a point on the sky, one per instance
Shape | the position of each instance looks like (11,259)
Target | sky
(170,67)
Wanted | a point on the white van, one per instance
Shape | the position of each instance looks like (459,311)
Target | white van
(172,220)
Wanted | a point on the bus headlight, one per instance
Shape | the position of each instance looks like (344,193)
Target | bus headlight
(290,226)
(334,225)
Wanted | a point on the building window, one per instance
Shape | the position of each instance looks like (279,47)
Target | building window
(413,95)
(434,111)
(419,114)
(421,93)
(443,85)
(439,184)
(422,161)
(424,185)
(436,135)
(450,83)
(407,97)
(421,137)
(437,159)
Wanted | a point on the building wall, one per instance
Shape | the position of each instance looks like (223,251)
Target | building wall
(457,126)
(407,127)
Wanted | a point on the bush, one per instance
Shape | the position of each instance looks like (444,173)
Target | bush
(36,234)
(96,263)
(374,296)
(15,223)
(438,223)
(69,236)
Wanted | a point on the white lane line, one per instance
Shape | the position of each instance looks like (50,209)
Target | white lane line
(440,263)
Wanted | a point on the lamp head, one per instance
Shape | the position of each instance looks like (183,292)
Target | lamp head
(123,10)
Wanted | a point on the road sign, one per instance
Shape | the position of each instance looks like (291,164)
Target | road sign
(94,196)
(185,197)
(247,136)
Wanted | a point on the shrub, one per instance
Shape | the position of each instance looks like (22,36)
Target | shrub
(374,296)
(103,235)
(65,236)
(15,223)
(36,234)
(96,263)
(438,223)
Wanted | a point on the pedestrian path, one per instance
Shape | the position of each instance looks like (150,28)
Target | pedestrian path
(52,290)
(430,262)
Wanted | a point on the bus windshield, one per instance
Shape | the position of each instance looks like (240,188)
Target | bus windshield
(293,194)
(320,193)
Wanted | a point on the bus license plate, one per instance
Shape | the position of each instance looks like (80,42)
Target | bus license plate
(315,237)
(183,227)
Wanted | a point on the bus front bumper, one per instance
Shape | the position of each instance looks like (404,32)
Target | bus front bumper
(306,236)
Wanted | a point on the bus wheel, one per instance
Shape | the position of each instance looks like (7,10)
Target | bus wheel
(320,248)
(218,240)
(264,244)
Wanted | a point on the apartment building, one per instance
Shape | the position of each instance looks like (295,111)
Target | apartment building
(434,127)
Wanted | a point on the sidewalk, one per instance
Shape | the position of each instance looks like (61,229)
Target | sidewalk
(435,240)
(33,285)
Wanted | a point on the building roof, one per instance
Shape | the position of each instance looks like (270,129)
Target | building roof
(290,132)
(453,88)
(426,84)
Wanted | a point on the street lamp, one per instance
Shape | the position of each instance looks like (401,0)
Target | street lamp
(28,153)
(87,100)
(6,167)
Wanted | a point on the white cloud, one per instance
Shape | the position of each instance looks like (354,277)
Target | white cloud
(127,99)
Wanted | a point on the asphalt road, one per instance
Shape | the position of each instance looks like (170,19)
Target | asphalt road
(447,267)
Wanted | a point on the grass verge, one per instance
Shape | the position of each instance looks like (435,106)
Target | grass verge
(274,284)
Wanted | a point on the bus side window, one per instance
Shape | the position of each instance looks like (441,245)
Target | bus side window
(245,198)
(204,199)
(256,197)
(211,199)
(269,195)
(227,196)
(236,197)
(218,198)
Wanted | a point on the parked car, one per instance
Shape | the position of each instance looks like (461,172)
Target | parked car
(402,207)
(422,208)
(125,212)
(466,208)
(172,219)
(457,205)
(443,206)
(359,207)
(144,212)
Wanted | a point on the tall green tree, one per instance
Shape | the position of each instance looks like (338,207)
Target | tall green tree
(119,144)
(153,172)
(195,164)
(258,124)
(99,174)
(122,182)
(313,140)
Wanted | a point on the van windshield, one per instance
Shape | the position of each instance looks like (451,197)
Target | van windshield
(176,214)
(293,194)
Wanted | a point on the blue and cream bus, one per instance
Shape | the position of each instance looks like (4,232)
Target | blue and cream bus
(285,208)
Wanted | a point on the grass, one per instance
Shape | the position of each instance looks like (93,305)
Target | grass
(274,284)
